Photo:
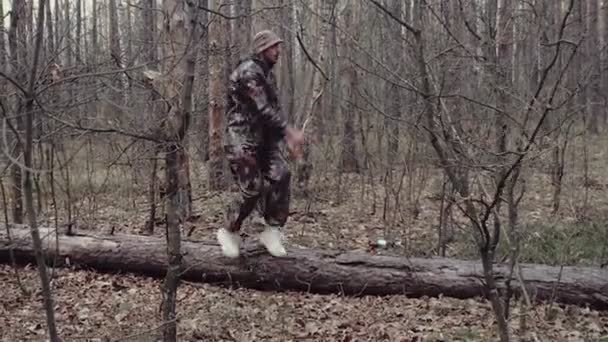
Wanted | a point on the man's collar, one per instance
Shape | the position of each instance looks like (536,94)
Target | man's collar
(266,66)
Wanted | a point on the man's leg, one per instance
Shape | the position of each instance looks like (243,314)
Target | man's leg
(276,201)
(248,177)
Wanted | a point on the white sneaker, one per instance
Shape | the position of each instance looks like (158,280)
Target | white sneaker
(230,242)
(271,239)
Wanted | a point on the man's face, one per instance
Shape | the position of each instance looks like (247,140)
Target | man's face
(272,53)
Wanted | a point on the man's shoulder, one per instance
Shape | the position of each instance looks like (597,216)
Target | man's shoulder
(247,68)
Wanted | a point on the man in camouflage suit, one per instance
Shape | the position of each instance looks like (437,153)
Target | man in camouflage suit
(255,128)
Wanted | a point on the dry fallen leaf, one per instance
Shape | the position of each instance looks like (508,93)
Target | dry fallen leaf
(114,306)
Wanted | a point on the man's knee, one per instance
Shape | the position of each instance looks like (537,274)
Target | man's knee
(279,173)
(245,168)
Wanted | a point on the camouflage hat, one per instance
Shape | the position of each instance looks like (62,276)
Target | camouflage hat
(265,39)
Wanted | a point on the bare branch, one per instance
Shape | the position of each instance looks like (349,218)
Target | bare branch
(92,74)
(466,22)
(231,17)
(14,82)
(531,140)
(310,58)
(394,17)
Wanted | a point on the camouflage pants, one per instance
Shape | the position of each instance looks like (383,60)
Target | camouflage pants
(263,179)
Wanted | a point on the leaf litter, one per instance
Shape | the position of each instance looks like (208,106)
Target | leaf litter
(122,307)
(93,306)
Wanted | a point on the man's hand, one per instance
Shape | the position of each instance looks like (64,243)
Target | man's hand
(294,138)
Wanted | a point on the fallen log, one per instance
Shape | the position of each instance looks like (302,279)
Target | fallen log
(316,271)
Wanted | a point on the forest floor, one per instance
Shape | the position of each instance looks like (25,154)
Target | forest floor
(104,307)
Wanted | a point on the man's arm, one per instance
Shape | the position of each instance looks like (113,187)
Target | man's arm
(254,88)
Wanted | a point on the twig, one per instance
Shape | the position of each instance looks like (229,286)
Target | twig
(14,82)
(310,58)
(233,17)
(399,20)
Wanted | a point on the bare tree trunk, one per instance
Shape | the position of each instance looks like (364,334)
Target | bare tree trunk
(554,14)
(27,184)
(201,84)
(68,38)
(593,49)
(503,71)
(513,200)
(179,52)
(287,78)
(349,161)
(217,103)
(2,45)
(503,74)
(579,20)
(173,236)
(94,55)
(129,32)
(603,12)
(348,158)
(241,34)
(50,52)
(310,111)
(78,38)
(48,150)
(28,34)
(117,95)
(4,67)
(152,189)
(332,102)
(17,62)
(115,46)
(85,41)
(94,29)
(394,59)
(150,57)
(57,29)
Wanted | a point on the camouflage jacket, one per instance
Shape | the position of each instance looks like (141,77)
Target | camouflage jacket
(254,114)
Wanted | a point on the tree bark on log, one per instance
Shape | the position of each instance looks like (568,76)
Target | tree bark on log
(315,271)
